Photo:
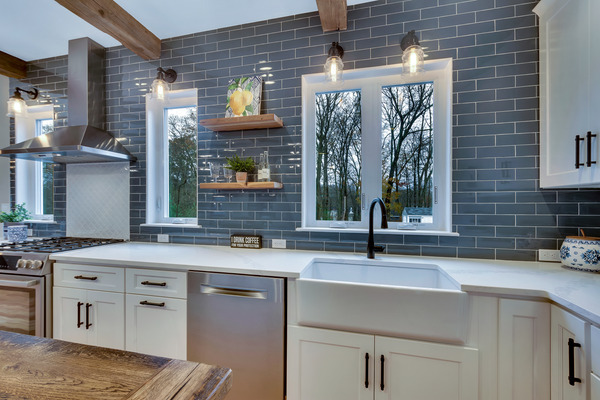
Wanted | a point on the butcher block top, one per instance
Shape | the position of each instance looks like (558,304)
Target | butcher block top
(40,368)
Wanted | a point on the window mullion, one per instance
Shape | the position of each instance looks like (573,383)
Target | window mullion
(371,150)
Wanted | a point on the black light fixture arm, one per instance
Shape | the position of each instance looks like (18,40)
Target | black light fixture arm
(32,94)
(168,75)
(335,50)
(410,39)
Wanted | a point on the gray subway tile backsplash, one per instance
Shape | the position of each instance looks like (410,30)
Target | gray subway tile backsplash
(498,209)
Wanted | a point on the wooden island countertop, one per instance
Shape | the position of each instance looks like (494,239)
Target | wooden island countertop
(40,368)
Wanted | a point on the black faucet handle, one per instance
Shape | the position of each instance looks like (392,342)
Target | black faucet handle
(379,249)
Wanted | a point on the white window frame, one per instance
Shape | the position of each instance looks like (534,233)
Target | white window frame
(157,156)
(28,174)
(370,81)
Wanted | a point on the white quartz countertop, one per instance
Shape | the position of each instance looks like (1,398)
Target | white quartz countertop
(577,291)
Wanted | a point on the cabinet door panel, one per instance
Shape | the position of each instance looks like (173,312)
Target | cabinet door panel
(155,329)
(594,387)
(328,365)
(566,326)
(107,316)
(523,350)
(65,314)
(425,371)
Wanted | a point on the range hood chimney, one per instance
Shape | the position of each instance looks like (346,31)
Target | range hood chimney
(85,139)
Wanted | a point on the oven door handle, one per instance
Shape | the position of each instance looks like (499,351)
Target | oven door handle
(19,284)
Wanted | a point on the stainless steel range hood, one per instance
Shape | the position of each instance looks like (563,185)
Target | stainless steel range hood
(84,140)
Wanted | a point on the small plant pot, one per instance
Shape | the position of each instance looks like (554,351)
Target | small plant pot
(241,177)
(16,233)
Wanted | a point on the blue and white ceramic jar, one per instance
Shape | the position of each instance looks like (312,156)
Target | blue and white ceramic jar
(16,233)
(581,253)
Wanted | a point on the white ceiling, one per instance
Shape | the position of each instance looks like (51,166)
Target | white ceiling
(36,29)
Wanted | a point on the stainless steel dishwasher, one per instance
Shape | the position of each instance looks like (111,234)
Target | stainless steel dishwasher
(238,321)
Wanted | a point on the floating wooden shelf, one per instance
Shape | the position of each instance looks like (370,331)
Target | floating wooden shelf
(242,123)
(241,186)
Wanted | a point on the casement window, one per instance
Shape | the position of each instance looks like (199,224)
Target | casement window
(382,134)
(172,158)
(34,179)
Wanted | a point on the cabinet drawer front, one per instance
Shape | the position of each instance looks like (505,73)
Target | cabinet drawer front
(111,279)
(156,282)
(156,325)
(595,350)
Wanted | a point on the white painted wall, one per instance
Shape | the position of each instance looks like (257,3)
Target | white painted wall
(4,141)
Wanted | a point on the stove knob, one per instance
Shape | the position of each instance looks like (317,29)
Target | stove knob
(21,264)
(37,264)
(28,264)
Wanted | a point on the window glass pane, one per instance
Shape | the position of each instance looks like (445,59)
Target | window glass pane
(183,162)
(338,161)
(47,207)
(407,152)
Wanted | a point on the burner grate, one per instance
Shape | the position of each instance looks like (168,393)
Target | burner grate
(52,245)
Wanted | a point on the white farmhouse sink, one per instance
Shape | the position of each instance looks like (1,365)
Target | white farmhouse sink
(400,299)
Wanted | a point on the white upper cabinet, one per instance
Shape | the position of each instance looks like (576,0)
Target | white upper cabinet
(569,93)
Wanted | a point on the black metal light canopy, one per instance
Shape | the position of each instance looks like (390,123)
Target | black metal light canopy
(413,57)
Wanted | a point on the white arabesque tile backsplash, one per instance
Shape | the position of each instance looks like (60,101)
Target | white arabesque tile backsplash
(98,200)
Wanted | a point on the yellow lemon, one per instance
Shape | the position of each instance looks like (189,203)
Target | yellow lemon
(236,102)
(247,97)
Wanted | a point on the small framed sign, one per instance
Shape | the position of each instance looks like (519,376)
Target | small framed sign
(246,241)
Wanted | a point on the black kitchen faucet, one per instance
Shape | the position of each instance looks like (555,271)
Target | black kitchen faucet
(371,248)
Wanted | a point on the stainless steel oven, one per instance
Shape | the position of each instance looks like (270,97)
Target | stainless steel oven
(26,282)
(23,304)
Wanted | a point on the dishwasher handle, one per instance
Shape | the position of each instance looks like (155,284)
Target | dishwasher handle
(231,291)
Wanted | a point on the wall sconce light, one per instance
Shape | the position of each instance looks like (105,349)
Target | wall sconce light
(159,86)
(413,57)
(334,65)
(16,104)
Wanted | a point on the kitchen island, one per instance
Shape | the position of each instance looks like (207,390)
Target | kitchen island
(40,368)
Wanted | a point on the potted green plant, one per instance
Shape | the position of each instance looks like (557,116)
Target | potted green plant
(15,230)
(241,167)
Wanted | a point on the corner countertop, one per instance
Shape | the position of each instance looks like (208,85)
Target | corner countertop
(574,290)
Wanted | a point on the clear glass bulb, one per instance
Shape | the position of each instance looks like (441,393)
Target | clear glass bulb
(16,106)
(334,68)
(159,89)
(413,60)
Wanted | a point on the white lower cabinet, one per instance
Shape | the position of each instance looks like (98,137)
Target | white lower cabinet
(523,350)
(330,365)
(569,356)
(595,363)
(89,317)
(156,325)
(124,308)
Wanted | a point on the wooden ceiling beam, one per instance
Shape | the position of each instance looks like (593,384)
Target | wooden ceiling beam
(111,18)
(12,67)
(334,15)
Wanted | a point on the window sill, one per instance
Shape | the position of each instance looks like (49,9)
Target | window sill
(390,231)
(171,225)
(40,221)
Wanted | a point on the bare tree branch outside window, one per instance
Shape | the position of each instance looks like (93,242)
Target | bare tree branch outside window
(338,160)
(183,162)
(407,148)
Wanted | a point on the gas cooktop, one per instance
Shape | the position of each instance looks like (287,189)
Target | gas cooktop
(31,257)
(52,245)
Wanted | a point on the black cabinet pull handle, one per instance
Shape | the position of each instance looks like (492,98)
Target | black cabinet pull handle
(154,283)
(89,278)
(577,140)
(589,161)
(572,345)
(79,322)
(149,303)
(382,359)
(367,370)
(87,315)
